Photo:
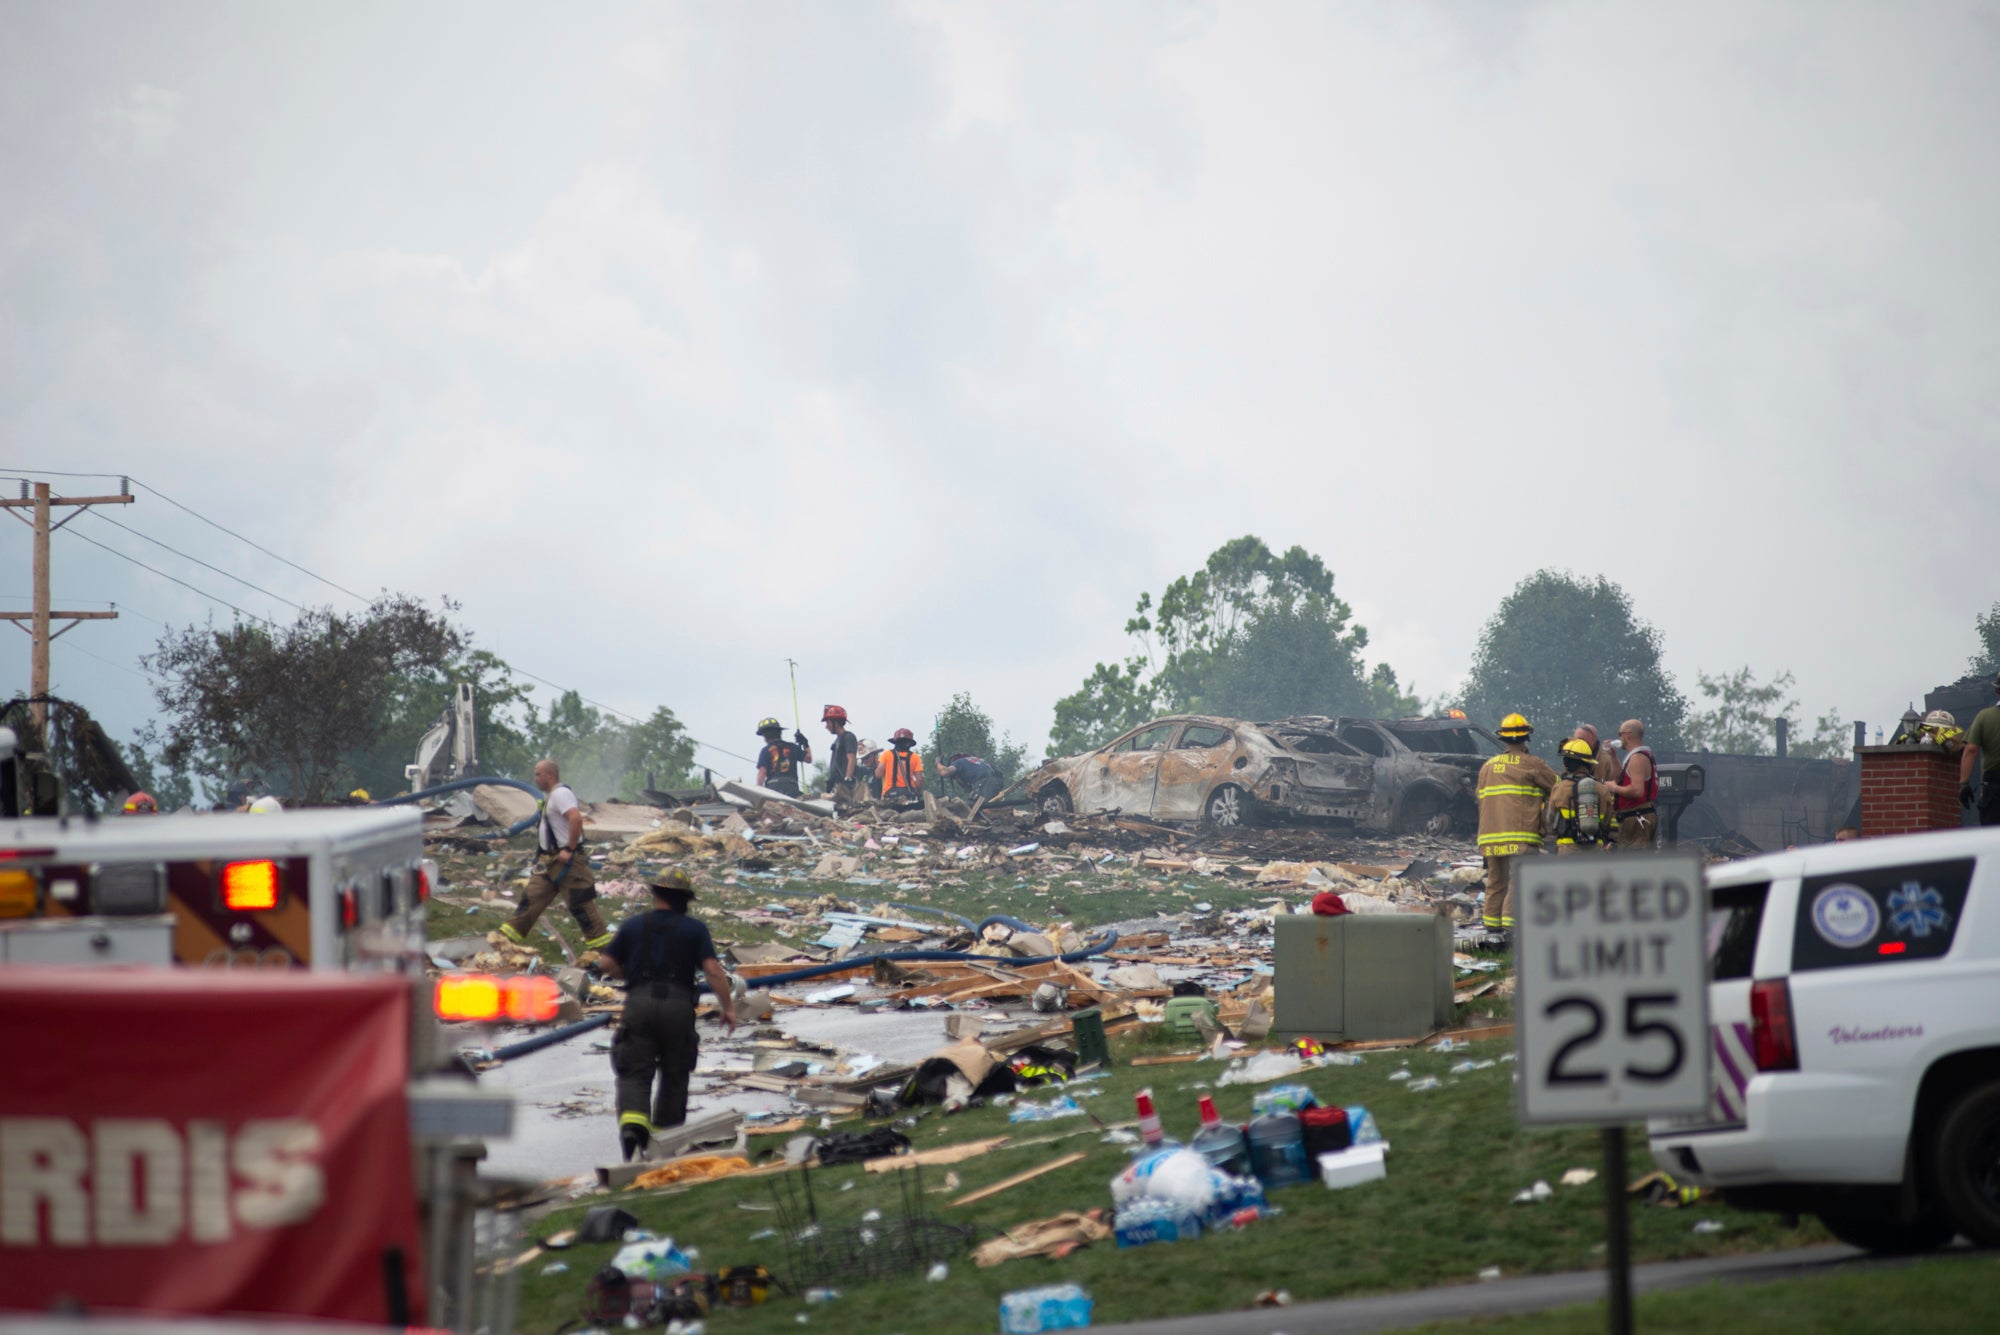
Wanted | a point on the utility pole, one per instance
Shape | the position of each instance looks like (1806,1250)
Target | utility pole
(39,619)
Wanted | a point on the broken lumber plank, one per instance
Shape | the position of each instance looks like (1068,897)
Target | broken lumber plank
(1002,1044)
(971,1149)
(1166,1058)
(1008,1183)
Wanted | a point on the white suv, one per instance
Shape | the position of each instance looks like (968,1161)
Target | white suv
(1855,998)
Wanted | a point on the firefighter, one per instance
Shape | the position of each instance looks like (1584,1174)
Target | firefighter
(981,781)
(778,763)
(658,955)
(1574,824)
(1513,786)
(141,804)
(901,770)
(842,767)
(560,865)
(1636,789)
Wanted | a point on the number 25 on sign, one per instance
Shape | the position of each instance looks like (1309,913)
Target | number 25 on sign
(1613,1007)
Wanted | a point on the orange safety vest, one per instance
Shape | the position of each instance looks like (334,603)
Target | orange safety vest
(899,769)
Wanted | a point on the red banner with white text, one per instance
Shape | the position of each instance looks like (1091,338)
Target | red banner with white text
(188,1141)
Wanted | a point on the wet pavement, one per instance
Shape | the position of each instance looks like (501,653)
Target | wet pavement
(551,1142)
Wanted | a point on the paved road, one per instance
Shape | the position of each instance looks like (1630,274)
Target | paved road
(1534,1293)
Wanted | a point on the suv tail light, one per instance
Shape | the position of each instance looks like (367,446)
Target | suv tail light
(1772,1041)
(426,874)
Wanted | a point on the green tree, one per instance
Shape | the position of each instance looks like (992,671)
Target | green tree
(601,756)
(1251,634)
(293,701)
(174,788)
(1564,650)
(1987,627)
(1301,657)
(1742,718)
(499,701)
(963,728)
(1113,698)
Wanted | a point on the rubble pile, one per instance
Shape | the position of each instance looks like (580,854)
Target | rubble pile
(884,912)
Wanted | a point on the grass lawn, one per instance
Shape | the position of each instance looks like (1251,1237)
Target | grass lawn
(1950,1295)
(1441,1216)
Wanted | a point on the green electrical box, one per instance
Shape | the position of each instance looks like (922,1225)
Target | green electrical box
(1361,976)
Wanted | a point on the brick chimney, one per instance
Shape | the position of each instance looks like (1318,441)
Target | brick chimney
(1906,788)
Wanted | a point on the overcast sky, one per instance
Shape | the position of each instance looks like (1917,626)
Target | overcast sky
(913,341)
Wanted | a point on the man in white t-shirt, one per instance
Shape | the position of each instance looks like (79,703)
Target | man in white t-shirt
(560,865)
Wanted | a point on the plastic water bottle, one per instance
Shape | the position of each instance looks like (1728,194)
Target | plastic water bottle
(1052,1307)
(1149,1119)
(1221,1143)
(1278,1150)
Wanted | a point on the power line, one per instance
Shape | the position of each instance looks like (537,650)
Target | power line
(69,648)
(220,527)
(198,561)
(81,537)
(259,546)
(223,528)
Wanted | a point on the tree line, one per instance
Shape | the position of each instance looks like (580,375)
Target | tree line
(337,701)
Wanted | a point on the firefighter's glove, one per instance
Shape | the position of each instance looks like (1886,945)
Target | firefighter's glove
(1966,796)
(800,738)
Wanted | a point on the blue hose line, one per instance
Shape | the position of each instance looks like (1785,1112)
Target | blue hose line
(1006,921)
(521,826)
(1097,947)
(550,1039)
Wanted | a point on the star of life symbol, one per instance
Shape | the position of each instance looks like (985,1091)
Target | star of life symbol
(1915,909)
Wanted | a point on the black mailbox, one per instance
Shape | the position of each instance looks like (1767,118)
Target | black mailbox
(1679,785)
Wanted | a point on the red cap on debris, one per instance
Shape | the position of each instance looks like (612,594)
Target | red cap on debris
(1208,1112)
(1144,1102)
(1329,905)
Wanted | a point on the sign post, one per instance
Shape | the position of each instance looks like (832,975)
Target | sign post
(1612,1018)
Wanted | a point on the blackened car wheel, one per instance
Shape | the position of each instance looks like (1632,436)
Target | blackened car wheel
(1054,802)
(1967,1165)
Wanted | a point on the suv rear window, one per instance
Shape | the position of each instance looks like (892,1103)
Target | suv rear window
(1884,915)
(1735,912)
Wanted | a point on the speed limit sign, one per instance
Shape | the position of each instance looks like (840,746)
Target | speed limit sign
(1612,1015)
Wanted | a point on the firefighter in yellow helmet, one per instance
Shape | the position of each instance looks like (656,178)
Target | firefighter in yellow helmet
(1575,814)
(1513,788)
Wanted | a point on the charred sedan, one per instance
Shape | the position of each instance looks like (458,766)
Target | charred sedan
(1225,772)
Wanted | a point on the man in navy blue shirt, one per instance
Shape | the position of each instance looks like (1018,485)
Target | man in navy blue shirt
(981,780)
(659,954)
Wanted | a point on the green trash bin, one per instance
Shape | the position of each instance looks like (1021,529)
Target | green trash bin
(1087,1027)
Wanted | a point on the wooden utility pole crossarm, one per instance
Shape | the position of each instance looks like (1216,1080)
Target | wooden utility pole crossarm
(39,631)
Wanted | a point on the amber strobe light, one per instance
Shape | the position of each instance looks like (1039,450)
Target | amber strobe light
(250,886)
(17,893)
(528,999)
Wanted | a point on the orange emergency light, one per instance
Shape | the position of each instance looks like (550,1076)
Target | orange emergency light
(250,887)
(17,893)
(528,999)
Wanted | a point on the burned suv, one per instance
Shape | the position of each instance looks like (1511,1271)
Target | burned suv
(1226,772)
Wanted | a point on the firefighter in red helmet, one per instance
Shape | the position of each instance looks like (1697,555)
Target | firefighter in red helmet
(901,771)
(841,765)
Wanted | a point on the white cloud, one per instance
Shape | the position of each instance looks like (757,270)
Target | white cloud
(915,341)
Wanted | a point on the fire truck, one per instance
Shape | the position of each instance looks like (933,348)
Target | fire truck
(297,889)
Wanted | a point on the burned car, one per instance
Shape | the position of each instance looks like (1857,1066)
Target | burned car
(1226,772)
